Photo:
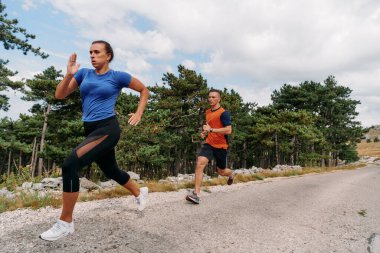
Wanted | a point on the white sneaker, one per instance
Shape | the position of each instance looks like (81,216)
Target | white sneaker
(60,229)
(142,198)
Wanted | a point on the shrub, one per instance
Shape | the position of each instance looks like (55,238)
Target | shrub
(14,180)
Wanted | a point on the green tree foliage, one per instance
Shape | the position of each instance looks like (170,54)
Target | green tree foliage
(53,116)
(333,109)
(183,99)
(349,153)
(13,148)
(305,125)
(140,147)
(285,137)
(5,82)
(13,37)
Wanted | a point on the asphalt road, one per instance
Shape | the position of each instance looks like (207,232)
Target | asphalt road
(330,212)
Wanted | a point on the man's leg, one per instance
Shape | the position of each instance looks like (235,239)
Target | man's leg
(221,164)
(225,172)
(201,164)
(204,156)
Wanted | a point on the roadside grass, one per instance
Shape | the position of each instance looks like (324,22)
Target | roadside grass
(116,192)
(33,201)
(368,149)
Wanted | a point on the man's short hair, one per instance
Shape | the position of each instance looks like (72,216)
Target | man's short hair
(215,90)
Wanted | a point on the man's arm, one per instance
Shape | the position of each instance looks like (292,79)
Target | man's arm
(226,121)
(223,130)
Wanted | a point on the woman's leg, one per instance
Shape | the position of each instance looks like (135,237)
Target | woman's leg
(108,165)
(68,203)
(70,170)
(96,143)
(132,187)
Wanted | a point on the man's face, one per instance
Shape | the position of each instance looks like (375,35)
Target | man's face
(213,98)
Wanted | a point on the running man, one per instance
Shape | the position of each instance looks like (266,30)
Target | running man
(218,126)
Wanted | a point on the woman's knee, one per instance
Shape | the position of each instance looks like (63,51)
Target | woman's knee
(113,172)
(70,176)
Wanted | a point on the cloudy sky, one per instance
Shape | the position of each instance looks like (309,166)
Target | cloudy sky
(251,46)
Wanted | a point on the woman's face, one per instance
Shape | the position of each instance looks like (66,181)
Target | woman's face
(99,56)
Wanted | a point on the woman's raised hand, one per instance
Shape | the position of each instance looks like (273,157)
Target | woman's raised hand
(72,66)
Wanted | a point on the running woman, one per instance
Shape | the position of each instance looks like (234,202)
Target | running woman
(99,89)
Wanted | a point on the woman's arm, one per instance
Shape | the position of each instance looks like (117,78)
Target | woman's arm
(137,85)
(68,83)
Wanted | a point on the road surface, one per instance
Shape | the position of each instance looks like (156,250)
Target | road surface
(329,212)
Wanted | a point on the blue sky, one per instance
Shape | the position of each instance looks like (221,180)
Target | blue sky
(251,46)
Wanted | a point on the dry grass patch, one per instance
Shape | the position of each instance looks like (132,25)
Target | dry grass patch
(368,149)
(243,178)
(161,187)
(215,181)
(116,192)
(186,185)
(32,201)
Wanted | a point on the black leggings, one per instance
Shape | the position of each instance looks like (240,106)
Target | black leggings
(99,147)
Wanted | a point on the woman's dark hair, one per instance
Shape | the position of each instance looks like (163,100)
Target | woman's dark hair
(107,46)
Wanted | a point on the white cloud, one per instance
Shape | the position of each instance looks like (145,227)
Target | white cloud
(28,4)
(369,110)
(255,45)
(189,64)
(266,40)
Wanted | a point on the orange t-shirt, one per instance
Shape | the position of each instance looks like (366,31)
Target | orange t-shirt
(213,119)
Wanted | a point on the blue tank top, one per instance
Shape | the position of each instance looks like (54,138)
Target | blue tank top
(99,93)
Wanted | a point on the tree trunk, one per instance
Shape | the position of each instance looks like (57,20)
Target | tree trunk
(20,160)
(277,149)
(293,141)
(244,161)
(330,159)
(34,166)
(323,159)
(42,144)
(9,162)
(177,162)
(33,156)
(298,151)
